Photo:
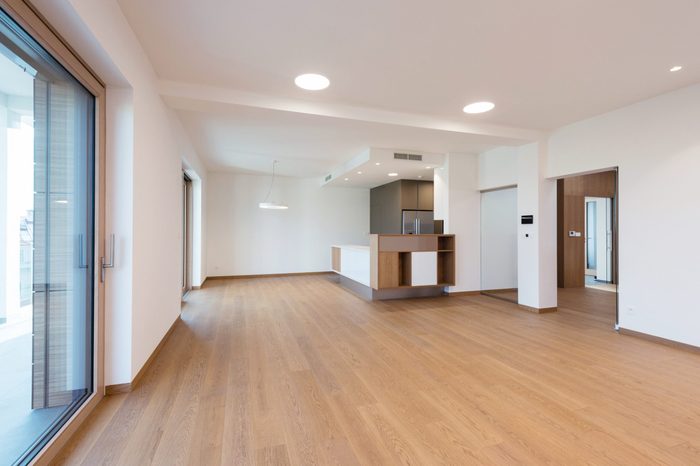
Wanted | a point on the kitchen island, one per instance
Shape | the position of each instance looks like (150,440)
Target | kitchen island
(397,266)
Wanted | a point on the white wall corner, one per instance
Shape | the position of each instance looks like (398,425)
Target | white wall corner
(498,168)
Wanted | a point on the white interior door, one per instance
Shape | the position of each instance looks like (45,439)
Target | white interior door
(499,239)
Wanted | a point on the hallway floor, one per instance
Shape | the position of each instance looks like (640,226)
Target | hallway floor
(297,370)
(591,282)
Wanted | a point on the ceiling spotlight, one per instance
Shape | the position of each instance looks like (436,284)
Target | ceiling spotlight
(346,179)
(428,167)
(420,176)
(359,173)
(479,107)
(675,68)
(393,174)
(378,163)
(312,82)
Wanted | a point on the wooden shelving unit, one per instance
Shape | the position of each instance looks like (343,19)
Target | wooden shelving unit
(394,264)
(404,268)
(446,259)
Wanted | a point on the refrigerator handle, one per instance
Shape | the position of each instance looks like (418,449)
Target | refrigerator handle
(417,226)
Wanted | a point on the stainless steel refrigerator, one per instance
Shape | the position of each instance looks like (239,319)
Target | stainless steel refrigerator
(417,222)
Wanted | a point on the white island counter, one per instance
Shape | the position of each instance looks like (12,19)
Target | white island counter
(397,266)
(352,261)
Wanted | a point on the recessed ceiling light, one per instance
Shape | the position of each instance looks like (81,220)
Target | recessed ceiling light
(393,174)
(359,173)
(675,68)
(428,167)
(378,163)
(479,107)
(312,82)
(346,179)
(420,176)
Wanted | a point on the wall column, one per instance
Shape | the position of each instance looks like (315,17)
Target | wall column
(458,203)
(537,243)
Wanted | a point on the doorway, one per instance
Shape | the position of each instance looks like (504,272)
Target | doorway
(499,243)
(599,243)
(186,234)
(587,215)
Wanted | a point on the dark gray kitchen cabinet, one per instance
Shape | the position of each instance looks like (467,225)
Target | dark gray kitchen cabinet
(387,202)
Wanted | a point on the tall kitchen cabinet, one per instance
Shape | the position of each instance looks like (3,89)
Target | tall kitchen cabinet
(389,200)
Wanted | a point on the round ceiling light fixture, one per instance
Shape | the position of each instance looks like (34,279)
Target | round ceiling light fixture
(675,68)
(393,174)
(312,82)
(478,107)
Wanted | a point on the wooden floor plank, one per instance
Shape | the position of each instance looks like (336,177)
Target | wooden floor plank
(297,370)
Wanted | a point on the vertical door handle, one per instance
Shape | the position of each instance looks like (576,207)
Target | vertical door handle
(104,263)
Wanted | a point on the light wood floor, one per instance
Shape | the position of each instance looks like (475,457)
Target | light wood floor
(508,295)
(300,371)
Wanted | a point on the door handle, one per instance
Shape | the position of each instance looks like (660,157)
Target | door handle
(104,264)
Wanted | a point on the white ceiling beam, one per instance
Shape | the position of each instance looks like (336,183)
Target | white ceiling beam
(187,96)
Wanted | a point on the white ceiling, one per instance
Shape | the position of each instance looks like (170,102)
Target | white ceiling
(373,168)
(248,139)
(544,63)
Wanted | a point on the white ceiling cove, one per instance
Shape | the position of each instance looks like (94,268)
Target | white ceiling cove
(544,64)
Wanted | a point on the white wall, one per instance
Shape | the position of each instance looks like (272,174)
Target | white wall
(146,151)
(243,239)
(458,202)
(120,222)
(498,168)
(525,167)
(441,200)
(656,145)
(499,239)
(537,242)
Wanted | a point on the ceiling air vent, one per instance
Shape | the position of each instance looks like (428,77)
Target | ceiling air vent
(401,156)
(328,177)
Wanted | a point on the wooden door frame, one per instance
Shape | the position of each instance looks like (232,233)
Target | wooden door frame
(28,17)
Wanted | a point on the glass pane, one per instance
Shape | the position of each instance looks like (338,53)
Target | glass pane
(46,244)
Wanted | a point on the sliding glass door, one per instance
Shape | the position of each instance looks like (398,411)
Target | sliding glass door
(47,244)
